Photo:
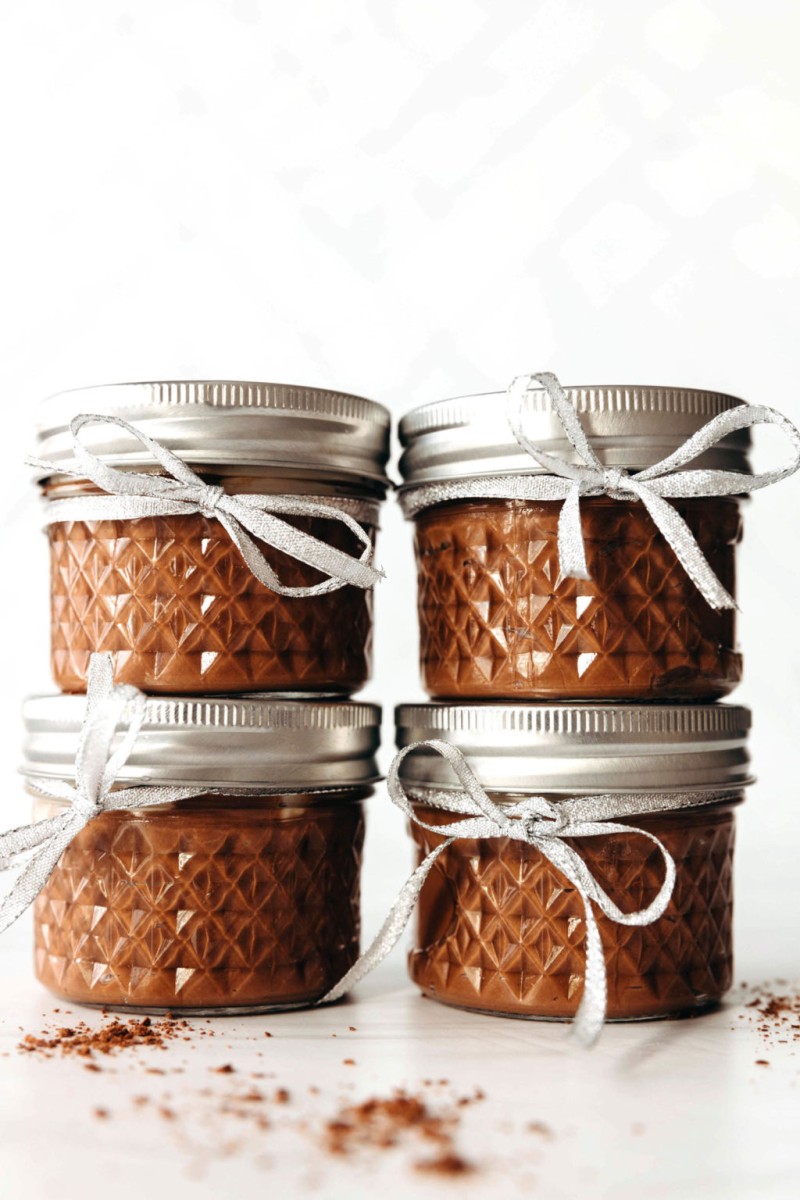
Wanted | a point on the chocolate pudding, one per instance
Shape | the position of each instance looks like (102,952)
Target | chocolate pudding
(500,930)
(174,602)
(498,621)
(217,903)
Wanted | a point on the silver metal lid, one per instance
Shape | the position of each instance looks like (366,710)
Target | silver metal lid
(581,748)
(241,741)
(629,426)
(224,422)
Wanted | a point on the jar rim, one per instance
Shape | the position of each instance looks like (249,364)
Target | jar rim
(630,426)
(589,748)
(215,422)
(246,740)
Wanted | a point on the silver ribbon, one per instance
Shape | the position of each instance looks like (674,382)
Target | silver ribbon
(653,486)
(546,826)
(108,706)
(182,492)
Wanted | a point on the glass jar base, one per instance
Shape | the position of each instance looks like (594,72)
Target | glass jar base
(177,1011)
(703,1006)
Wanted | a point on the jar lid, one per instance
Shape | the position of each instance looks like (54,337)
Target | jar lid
(580,748)
(225,422)
(295,745)
(629,426)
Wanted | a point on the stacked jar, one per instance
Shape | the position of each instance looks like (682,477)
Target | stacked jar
(212,570)
(576,568)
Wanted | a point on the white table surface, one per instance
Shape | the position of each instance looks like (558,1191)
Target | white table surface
(656,1110)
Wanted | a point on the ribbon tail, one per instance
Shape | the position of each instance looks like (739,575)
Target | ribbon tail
(680,537)
(37,872)
(342,567)
(571,550)
(17,842)
(587,1025)
(391,930)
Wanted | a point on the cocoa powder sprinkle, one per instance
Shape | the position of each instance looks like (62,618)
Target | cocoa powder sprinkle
(112,1036)
(381,1123)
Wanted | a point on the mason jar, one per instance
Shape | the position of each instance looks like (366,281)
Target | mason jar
(501,930)
(170,596)
(242,898)
(497,618)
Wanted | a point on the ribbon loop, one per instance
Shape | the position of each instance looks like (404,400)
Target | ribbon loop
(548,827)
(650,486)
(247,519)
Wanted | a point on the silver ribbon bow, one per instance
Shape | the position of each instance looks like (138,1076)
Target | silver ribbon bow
(181,492)
(108,706)
(546,826)
(653,486)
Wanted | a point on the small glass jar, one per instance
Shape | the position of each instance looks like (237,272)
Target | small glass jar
(171,596)
(498,620)
(501,931)
(244,898)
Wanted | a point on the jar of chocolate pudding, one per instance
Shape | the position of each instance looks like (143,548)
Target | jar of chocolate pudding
(169,593)
(501,930)
(499,620)
(241,898)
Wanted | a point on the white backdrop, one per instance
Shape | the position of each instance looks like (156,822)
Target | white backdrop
(410,200)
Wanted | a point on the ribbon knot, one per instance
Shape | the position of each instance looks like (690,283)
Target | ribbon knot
(613,479)
(544,822)
(210,498)
(245,518)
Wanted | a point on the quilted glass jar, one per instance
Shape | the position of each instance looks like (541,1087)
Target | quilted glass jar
(244,898)
(497,618)
(501,930)
(170,596)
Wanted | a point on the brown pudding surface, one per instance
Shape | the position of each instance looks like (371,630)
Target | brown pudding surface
(497,620)
(211,903)
(501,930)
(172,599)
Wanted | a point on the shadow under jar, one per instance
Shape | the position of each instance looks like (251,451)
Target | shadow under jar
(497,619)
(501,930)
(170,596)
(243,898)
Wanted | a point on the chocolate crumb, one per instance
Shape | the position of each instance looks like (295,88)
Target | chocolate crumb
(348,1062)
(225,1069)
(282,1096)
(102,1114)
(445,1164)
(539,1127)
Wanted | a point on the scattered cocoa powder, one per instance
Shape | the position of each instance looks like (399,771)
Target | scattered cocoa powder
(777,1013)
(384,1122)
(113,1035)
